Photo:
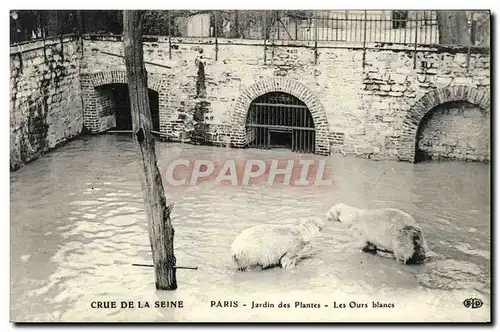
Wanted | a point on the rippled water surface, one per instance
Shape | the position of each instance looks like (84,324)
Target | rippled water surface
(78,224)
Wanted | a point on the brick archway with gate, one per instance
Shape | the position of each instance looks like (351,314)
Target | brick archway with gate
(429,101)
(280,84)
(92,115)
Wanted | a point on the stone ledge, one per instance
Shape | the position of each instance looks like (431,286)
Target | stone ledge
(40,43)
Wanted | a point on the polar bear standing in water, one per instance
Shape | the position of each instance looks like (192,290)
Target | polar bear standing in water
(266,246)
(388,230)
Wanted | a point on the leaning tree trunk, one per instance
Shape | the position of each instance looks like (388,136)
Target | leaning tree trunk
(453,28)
(161,232)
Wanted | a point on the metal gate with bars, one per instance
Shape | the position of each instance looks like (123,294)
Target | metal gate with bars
(280,120)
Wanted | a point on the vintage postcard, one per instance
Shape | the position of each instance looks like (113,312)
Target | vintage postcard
(250,166)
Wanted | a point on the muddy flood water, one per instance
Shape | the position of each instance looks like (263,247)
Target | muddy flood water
(78,224)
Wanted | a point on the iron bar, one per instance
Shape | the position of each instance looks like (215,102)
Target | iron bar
(337,26)
(364,42)
(356,28)
(269,118)
(316,37)
(264,35)
(216,35)
(271,35)
(277,22)
(295,20)
(366,20)
(277,119)
(385,29)
(349,20)
(306,141)
(380,27)
(468,57)
(265,52)
(405,27)
(279,105)
(431,33)
(328,28)
(348,26)
(169,37)
(416,43)
(424,24)
(302,141)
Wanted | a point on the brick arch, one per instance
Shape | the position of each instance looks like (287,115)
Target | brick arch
(94,120)
(120,77)
(429,101)
(280,84)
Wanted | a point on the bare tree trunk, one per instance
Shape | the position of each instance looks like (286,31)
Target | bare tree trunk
(235,25)
(269,19)
(453,28)
(161,232)
(52,23)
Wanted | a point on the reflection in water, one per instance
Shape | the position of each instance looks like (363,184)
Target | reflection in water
(78,224)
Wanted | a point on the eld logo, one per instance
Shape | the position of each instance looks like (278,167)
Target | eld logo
(473,303)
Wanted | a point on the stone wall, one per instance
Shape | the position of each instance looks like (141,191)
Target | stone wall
(96,87)
(456,130)
(369,103)
(45,97)
(393,89)
(106,106)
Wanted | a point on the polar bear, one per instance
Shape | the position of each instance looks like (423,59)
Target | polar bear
(386,230)
(266,246)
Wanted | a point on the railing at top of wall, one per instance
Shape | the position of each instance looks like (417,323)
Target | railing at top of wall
(41,43)
(409,30)
(383,26)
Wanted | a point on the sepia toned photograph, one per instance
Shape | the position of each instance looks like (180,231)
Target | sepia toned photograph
(275,166)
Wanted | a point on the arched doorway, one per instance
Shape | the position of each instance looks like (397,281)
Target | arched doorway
(280,120)
(457,130)
(412,122)
(114,100)
(241,136)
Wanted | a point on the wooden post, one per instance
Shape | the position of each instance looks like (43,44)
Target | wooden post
(161,232)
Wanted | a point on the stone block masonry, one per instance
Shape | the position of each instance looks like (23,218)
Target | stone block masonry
(371,110)
(96,92)
(369,102)
(399,95)
(46,106)
(457,130)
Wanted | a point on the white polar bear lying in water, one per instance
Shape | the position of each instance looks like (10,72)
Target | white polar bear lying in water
(387,230)
(266,246)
